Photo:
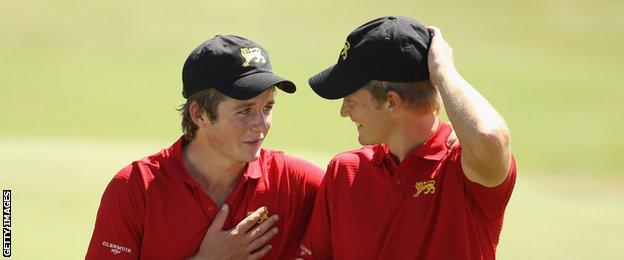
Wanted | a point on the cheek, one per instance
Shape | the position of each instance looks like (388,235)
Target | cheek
(233,129)
(269,120)
(378,120)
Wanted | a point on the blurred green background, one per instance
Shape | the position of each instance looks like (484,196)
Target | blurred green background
(86,87)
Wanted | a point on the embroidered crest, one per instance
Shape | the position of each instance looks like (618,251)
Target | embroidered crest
(345,50)
(252,55)
(424,187)
(263,216)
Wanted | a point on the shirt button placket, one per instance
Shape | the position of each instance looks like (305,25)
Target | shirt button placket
(396,197)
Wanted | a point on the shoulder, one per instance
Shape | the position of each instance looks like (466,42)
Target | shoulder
(353,159)
(140,173)
(279,162)
(344,168)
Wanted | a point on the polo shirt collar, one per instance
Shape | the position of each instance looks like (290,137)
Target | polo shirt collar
(253,170)
(435,148)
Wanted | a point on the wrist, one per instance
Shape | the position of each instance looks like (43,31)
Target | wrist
(442,72)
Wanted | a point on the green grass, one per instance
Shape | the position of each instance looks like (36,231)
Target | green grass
(111,70)
(86,87)
(57,188)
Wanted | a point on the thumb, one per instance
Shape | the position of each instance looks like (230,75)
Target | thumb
(219,221)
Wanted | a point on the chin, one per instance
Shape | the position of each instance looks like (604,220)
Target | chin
(364,141)
(368,140)
(252,156)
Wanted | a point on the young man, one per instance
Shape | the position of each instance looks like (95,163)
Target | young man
(406,194)
(214,194)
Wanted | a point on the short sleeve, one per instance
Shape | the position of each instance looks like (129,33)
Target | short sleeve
(119,222)
(490,202)
(316,242)
(309,174)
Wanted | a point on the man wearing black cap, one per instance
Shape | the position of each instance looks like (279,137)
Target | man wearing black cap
(408,194)
(214,194)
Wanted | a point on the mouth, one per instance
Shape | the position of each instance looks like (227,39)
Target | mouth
(359,126)
(254,142)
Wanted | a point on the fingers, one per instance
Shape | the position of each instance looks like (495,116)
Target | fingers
(251,220)
(434,31)
(262,240)
(260,253)
(217,224)
(262,227)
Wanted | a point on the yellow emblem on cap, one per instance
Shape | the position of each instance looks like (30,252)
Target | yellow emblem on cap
(425,187)
(263,216)
(345,49)
(253,54)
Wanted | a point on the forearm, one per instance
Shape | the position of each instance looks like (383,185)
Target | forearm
(481,130)
(479,127)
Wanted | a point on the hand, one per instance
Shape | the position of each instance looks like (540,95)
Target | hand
(245,241)
(440,57)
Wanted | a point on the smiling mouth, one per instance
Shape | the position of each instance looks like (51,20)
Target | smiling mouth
(256,142)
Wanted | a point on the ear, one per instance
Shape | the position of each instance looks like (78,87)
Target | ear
(393,100)
(198,115)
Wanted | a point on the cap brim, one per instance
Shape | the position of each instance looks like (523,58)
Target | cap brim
(252,85)
(335,82)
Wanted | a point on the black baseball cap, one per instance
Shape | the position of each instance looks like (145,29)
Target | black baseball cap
(389,48)
(235,66)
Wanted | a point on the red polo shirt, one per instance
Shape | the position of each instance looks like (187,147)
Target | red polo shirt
(153,209)
(368,207)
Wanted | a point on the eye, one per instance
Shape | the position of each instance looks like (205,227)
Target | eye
(246,111)
(267,109)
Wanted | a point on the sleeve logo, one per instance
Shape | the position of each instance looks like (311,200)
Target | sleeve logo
(116,249)
(304,250)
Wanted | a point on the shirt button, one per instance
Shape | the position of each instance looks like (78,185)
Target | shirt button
(397,181)
(210,208)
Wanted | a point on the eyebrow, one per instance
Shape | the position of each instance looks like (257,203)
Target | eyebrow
(249,104)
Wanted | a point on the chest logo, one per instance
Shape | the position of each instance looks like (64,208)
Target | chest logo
(263,216)
(252,55)
(424,187)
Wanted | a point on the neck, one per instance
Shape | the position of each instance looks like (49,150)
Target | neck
(412,132)
(216,175)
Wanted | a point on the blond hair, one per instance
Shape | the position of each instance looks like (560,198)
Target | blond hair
(421,95)
(208,100)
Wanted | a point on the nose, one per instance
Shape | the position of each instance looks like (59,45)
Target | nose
(344,109)
(261,123)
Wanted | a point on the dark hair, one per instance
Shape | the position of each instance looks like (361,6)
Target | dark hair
(207,100)
(421,95)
